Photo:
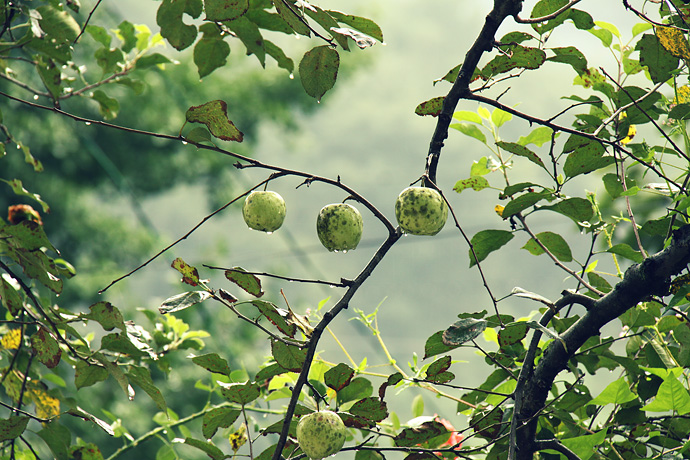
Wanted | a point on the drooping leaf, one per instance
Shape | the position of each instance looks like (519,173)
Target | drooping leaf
(279,317)
(571,56)
(656,58)
(278,54)
(214,115)
(190,275)
(248,282)
(578,209)
(206,447)
(318,70)
(89,374)
(107,315)
(626,251)
(470,130)
(211,51)
(250,36)
(292,17)
(170,19)
(485,242)
(364,25)
(141,376)
(18,189)
(463,331)
(182,301)
(392,380)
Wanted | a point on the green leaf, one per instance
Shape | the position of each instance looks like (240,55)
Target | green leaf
(371,408)
(463,331)
(190,275)
(127,33)
(58,438)
(214,115)
(173,29)
(292,17)
(671,396)
(251,37)
(432,107)
(318,70)
(18,189)
(524,201)
(475,183)
(500,117)
(434,345)
(27,235)
(10,297)
(107,315)
(659,62)
(86,374)
(364,25)
(470,130)
(50,75)
(522,151)
(219,417)
(100,34)
(358,388)
(141,376)
(279,317)
(88,451)
(578,209)
(211,51)
(150,60)
(485,242)
(339,376)
(225,10)
(248,282)
(571,56)
(626,251)
(554,242)
(642,109)
(585,446)
(512,334)
(240,393)
(12,427)
(107,106)
(589,156)
(182,301)
(617,392)
(517,57)
(277,53)
(207,447)
(410,437)
(213,362)
(287,356)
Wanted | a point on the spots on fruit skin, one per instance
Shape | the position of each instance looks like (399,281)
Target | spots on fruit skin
(421,211)
(321,434)
(339,227)
(264,211)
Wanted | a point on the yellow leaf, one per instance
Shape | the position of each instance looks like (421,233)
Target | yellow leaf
(499,209)
(674,41)
(238,438)
(682,95)
(632,130)
(11,340)
(46,405)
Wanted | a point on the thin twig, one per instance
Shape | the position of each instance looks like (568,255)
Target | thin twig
(548,16)
(342,284)
(86,23)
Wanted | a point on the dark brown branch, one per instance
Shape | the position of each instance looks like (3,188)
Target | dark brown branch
(461,87)
(343,282)
(640,281)
(330,315)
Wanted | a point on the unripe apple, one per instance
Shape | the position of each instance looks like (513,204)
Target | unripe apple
(321,434)
(264,210)
(339,227)
(421,211)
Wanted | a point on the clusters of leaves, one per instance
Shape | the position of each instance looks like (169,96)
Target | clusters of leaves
(521,408)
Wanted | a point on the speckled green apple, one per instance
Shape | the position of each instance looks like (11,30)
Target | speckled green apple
(421,211)
(339,227)
(264,210)
(321,434)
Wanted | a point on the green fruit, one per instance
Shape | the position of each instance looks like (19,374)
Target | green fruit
(321,434)
(339,227)
(264,211)
(421,211)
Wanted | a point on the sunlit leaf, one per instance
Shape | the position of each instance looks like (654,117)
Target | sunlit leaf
(485,242)
(214,115)
(182,301)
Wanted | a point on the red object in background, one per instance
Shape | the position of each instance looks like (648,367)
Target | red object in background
(455,439)
(20,212)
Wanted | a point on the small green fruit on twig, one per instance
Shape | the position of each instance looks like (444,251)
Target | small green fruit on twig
(339,227)
(421,211)
(321,434)
(264,211)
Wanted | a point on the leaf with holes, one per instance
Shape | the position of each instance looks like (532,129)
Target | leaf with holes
(392,380)
(169,18)
(214,115)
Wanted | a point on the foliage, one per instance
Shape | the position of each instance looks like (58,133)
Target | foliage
(628,131)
